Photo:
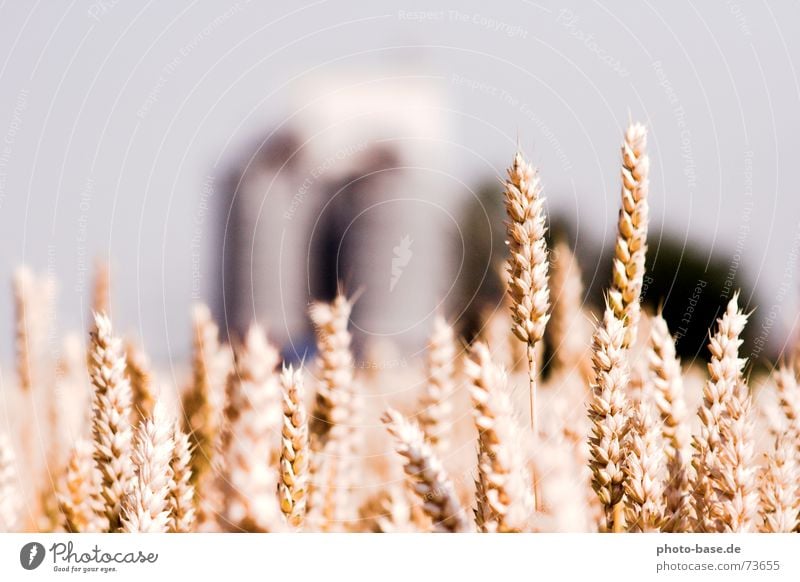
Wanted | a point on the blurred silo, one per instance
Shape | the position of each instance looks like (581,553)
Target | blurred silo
(352,187)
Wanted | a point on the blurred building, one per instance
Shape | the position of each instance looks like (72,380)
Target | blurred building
(352,188)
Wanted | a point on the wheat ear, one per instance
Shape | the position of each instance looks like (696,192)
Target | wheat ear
(79,493)
(644,492)
(138,370)
(203,401)
(725,370)
(609,417)
(436,402)
(9,494)
(735,482)
(295,451)
(564,329)
(111,407)
(788,391)
(507,487)
(779,492)
(528,264)
(145,508)
(181,498)
(253,417)
(25,318)
(667,389)
(631,245)
(335,364)
(332,416)
(427,476)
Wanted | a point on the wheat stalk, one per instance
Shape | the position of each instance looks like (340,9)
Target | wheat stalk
(725,369)
(9,494)
(667,389)
(145,508)
(181,499)
(295,450)
(631,245)
(527,266)
(79,493)
(111,407)
(424,470)
(609,416)
(504,478)
(779,492)
(436,402)
(253,417)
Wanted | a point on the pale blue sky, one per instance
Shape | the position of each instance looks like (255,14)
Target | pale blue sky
(113,115)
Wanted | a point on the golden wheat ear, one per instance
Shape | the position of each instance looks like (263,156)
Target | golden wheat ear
(332,405)
(722,483)
(10,500)
(145,507)
(528,263)
(141,379)
(181,499)
(79,492)
(505,499)
(631,246)
(779,489)
(644,491)
(664,376)
(436,404)
(424,470)
(564,332)
(203,403)
(295,449)
(609,417)
(249,439)
(111,413)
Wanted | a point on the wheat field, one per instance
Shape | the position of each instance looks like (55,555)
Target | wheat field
(620,437)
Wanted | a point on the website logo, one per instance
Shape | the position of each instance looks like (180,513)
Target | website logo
(402,256)
(31,555)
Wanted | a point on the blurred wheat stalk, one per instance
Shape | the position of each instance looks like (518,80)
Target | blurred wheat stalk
(610,445)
